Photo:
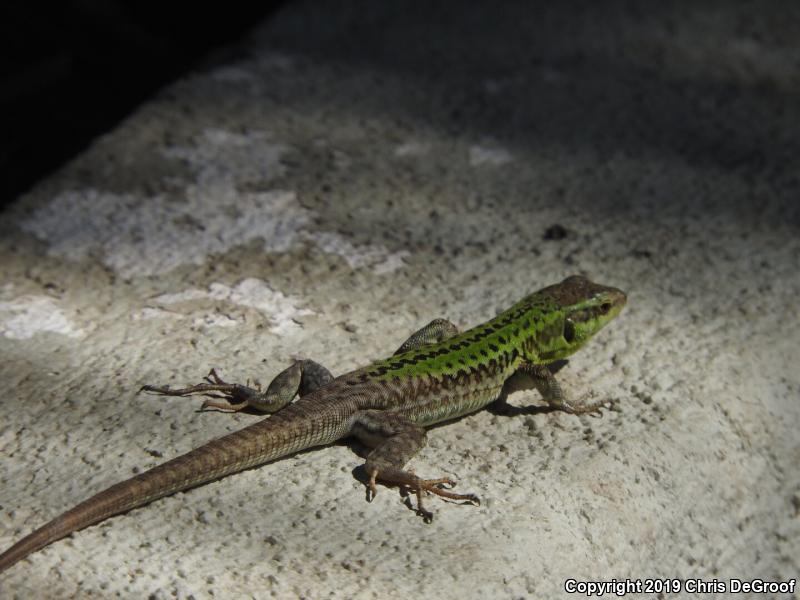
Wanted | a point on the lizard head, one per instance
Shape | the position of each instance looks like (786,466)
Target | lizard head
(582,308)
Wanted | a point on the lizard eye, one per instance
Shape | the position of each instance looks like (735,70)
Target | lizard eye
(569,331)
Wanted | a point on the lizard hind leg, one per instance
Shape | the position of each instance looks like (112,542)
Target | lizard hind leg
(396,440)
(303,377)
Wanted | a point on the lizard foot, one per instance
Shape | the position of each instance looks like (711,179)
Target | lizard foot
(235,396)
(412,483)
(594,409)
(433,486)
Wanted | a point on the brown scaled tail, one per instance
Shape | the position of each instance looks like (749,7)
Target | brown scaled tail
(269,439)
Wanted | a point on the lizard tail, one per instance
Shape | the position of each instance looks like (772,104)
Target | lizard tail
(281,434)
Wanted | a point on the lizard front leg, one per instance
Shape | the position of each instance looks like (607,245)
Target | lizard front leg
(396,440)
(302,378)
(437,330)
(552,393)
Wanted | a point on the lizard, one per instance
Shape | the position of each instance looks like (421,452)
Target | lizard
(438,374)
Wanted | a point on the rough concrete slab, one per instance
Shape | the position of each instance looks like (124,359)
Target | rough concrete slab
(357,170)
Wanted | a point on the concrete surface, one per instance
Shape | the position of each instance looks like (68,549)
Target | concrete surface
(356,170)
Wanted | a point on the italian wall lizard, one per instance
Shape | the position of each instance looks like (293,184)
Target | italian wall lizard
(438,374)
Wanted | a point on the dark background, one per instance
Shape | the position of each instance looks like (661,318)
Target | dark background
(70,71)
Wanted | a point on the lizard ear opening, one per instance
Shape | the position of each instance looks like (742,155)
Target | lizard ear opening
(569,331)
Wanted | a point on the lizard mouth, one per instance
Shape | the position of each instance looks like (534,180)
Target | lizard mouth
(602,312)
(591,313)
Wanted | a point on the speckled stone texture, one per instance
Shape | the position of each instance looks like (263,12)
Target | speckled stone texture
(357,169)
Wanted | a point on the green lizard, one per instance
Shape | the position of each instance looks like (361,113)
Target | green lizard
(436,375)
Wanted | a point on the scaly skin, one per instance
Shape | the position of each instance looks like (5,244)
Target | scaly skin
(436,375)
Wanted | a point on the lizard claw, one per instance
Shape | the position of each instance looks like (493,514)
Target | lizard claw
(372,487)
(598,412)
(155,389)
(427,516)
(212,377)
(473,499)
